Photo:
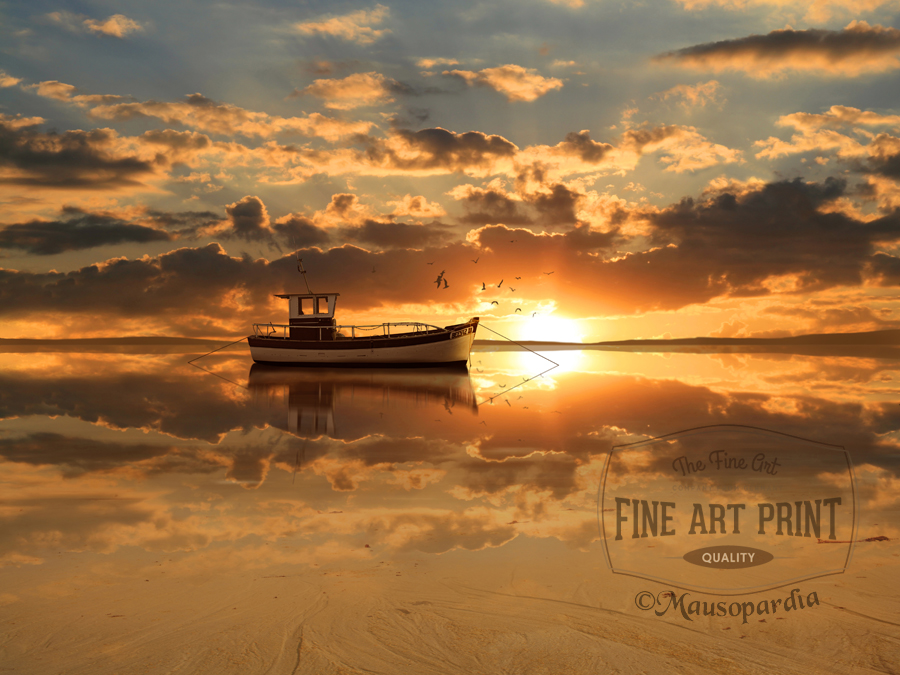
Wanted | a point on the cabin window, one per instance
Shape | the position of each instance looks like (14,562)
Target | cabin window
(322,305)
(306,305)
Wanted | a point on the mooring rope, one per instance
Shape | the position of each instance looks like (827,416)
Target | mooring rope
(506,391)
(197,358)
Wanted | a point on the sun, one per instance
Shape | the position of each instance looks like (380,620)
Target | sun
(549,328)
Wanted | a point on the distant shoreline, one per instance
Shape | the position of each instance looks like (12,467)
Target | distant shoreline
(885,343)
(878,337)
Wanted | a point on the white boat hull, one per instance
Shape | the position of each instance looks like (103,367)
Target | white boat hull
(452,347)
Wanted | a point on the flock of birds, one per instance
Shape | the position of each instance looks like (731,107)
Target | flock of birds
(440,279)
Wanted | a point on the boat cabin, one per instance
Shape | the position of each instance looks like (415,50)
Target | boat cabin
(311,315)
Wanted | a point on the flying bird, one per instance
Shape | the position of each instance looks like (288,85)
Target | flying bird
(518,309)
(533,314)
(431,263)
(373,269)
(483,287)
(549,272)
(484,423)
(446,285)
(500,284)
(494,302)
(476,260)
(512,289)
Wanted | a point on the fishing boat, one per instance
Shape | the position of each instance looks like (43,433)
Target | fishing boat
(312,337)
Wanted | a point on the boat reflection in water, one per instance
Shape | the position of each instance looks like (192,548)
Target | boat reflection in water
(312,393)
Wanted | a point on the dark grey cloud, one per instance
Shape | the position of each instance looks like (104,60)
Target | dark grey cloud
(580,144)
(185,224)
(438,148)
(72,160)
(732,243)
(488,206)
(397,235)
(249,220)
(77,232)
(857,48)
(556,207)
(298,231)
(76,455)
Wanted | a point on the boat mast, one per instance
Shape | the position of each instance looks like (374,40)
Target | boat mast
(303,272)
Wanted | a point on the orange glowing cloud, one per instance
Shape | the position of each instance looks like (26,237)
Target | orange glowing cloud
(858,48)
(199,112)
(416,207)
(8,80)
(355,27)
(117,25)
(819,133)
(514,82)
(694,96)
(353,91)
(809,10)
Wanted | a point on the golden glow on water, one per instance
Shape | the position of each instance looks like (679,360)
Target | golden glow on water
(256,493)
(551,328)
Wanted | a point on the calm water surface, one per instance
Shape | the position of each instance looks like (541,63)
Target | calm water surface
(247,519)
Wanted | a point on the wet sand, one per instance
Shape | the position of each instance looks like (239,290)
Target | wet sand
(236,613)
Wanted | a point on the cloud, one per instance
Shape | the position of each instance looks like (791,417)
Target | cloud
(385,235)
(416,207)
(353,91)
(8,80)
(355,27)
(884,156)
(77,232)
(694,96)
(298,231)
(857,49)
(438,150)
(817,249)
(514,82)
(775,238)
(249,218)
(431,63)
(840,129)
(838,117)
(489,206)
(817,11)
(80,455)
(117,25)
(680,148)
(94,160)
(19,122)
(839,319)
(557,204)
(203,283)
(202,113)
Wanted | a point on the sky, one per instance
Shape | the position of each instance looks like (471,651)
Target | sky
(597,169)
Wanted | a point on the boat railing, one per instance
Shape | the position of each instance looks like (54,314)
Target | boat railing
(281,330)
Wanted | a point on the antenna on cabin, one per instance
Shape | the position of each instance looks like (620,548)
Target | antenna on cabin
(303,272)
